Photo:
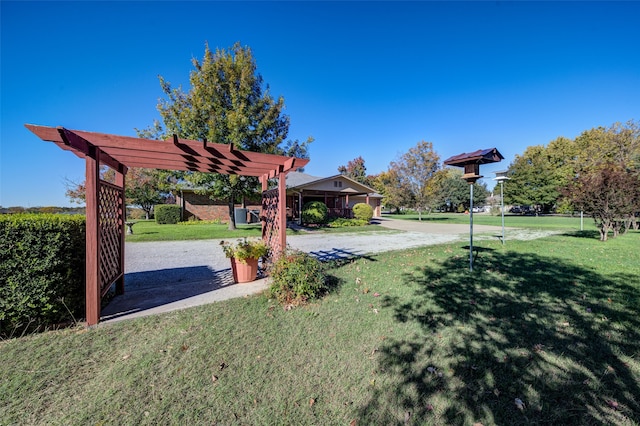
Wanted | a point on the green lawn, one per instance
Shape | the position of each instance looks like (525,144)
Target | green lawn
(407,337)
(149,230)
(516,221)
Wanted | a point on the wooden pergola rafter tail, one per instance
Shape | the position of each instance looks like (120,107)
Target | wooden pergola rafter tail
(106,204)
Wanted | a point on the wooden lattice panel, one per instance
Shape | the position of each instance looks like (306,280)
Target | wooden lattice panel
(111,222)
(271,230)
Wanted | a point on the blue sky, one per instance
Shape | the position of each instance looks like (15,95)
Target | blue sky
(368,79)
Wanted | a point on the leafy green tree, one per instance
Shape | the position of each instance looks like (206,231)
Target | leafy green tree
(604,192)
(226,103)
(453,191)
(395,192)
(534,179)
(417,170)
(606,181)
(296,149)
(142,189)
(356,170)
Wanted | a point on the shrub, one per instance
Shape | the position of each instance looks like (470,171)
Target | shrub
(167,214)
(296,277)
(42,270)
(314,212)
(341,222)
(363,211)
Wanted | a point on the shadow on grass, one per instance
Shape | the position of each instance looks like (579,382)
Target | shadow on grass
(590,235)
(561,338)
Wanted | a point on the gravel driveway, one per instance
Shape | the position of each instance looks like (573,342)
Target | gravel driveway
(168,275)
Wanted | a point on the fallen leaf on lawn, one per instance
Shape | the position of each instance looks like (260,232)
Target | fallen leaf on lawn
(376,294)
(431,370)
(222,366)
(375,311)
(127,356)
(612,404)
(519,404)
(407,416)
(183,348)
(358,280)
(353,422)
(429,407)
(478,424)
(312,401)
(496,392)
(214,378)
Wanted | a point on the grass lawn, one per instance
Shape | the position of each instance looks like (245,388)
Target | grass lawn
(149,230)
(516,221)
(407,337)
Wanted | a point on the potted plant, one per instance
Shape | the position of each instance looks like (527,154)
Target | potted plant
(244,256)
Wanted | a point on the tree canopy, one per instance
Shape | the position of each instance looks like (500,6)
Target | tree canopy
(356,170)
(226,104)
(417,172)
(598,172)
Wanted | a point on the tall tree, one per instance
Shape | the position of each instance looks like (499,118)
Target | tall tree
(356,170)
(226,103)
(604,192)
(395,192)
(534,179)
(607,176)
(416,170)
(142,189)
(296,149)
(453,191)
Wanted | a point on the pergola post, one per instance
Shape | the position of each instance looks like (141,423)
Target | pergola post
(282,211)
(92,272)
(120,181)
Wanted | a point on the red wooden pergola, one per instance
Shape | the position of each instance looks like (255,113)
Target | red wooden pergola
(105,203)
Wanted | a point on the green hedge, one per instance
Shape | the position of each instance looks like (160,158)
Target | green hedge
(314,212)
(42,269)
(363,211)
(167,214)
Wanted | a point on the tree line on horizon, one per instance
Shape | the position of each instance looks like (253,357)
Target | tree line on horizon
(227,102)
(598,172)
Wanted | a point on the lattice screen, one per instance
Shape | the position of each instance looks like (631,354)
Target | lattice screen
(271,230)
(111,223)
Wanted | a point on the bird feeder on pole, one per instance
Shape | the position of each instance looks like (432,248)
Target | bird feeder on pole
(471,163)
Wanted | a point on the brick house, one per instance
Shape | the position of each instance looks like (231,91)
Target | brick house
(338,192)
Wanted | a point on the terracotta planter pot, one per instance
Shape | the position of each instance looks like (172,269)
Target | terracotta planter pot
(244,272)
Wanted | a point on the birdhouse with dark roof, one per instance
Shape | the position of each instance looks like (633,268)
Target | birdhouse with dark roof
(471,162)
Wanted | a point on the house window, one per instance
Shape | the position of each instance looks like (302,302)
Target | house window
(337,184)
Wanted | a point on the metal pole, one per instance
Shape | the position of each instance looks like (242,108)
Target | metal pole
(502,207)
(471,228)
(581,220)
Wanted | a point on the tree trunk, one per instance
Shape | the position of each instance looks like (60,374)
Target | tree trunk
(232,216)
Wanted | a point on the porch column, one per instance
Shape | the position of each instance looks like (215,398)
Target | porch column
(299,208)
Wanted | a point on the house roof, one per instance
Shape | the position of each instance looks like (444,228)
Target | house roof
(300,181)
